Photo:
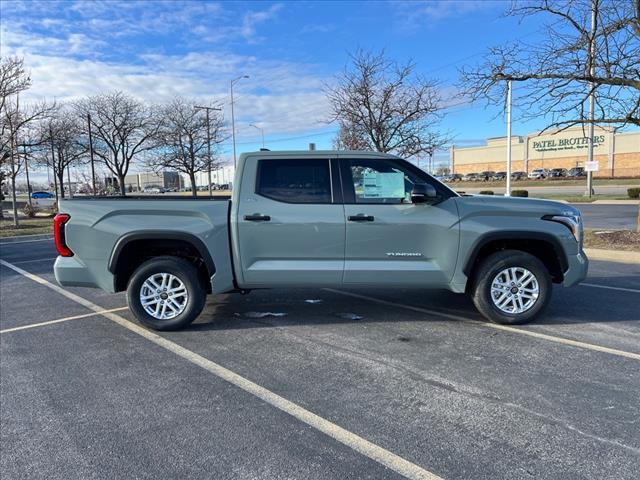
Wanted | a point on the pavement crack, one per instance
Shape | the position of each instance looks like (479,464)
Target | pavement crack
(451,387)
(561,423)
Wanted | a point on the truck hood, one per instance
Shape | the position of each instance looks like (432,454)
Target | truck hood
(500,205)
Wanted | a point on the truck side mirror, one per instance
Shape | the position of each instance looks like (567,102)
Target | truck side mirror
(423,193)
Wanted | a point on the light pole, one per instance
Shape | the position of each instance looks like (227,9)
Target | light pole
(93,171)
(508,190)
(233,119)
(592,100)
(207,109)
(261,132)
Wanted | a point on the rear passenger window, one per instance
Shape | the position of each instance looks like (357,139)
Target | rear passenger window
(295,181)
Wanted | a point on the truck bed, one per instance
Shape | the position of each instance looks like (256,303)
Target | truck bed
(101,225)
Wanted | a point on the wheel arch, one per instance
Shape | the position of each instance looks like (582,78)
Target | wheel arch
(544,246)
(123,261)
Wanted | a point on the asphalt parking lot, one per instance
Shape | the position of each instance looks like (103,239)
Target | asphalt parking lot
(417,386)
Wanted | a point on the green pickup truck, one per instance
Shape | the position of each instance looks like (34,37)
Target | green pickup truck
(320,219)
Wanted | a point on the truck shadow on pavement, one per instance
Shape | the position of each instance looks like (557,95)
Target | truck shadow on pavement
(567,306)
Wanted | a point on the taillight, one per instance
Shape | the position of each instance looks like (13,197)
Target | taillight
(58,234)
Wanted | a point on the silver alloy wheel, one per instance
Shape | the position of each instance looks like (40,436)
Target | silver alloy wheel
(163,296)
(515,290)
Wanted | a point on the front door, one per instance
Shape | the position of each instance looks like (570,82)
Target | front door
(290,222)
(389,239)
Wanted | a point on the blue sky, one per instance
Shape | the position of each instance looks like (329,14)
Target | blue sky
(157,49)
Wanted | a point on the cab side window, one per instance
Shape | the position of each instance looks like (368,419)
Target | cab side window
(382,181)
(295,181)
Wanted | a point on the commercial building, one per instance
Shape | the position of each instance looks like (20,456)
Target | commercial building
(139,181)
(617,154)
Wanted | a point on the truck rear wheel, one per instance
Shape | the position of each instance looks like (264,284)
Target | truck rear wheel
(165,293)
(511,287)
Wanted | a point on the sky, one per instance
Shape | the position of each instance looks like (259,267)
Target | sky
(291,51)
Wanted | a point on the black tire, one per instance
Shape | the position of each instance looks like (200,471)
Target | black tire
(186,273)
(495,263)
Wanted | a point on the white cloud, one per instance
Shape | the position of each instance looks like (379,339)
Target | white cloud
(84,48)
(413,14)
(284,97)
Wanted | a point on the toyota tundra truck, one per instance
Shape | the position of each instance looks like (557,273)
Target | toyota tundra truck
(318,219)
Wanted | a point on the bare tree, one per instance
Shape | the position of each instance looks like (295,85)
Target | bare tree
(557,71)
(384,106)
(123,129)
(182,139)
(18,139)
(13,80)
(350,137)
(62,143)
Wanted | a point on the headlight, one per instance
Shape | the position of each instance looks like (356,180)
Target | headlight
(570,220)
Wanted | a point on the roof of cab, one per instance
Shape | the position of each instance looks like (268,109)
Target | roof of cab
(314,153)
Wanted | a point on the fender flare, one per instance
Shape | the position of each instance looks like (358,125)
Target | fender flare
(127,238)
(514,235)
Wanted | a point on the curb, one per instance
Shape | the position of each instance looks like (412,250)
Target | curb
(26,238)
(621,256)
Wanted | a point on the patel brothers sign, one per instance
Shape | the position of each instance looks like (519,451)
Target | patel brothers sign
(571,143)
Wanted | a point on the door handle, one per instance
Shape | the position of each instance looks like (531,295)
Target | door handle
(256,217)
(360,218)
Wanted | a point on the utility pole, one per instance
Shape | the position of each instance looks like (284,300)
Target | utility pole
(26,171)
(53,163)
(233,119)
(93,172)
(207,109)
(261,132)
(592,100)
(69,179)
(508,190)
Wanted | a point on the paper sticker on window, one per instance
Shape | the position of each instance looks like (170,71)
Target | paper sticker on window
(383,185)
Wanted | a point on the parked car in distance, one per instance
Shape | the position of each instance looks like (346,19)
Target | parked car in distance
(154,190)
(320,219)
(499,176)
(538,174)
(470,177)
(557,172)
(42,195)
(576,172)
(486,175)
(453,177)
(518,175)
(43,199)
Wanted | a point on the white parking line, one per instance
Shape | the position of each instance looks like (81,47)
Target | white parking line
(35,260)
(49,239)
(350,439)
(542,336)
(60,320)
(622,289)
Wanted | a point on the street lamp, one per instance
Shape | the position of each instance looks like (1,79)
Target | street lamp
(261,132)
(233,118)
(208,109)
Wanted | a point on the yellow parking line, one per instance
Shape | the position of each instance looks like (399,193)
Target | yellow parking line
(60,320)
(507,328)
(359,444)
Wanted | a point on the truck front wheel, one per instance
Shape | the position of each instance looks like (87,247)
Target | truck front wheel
(165,293)
(511,287)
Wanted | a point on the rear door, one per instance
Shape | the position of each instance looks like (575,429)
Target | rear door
(390,240)
(290,222)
